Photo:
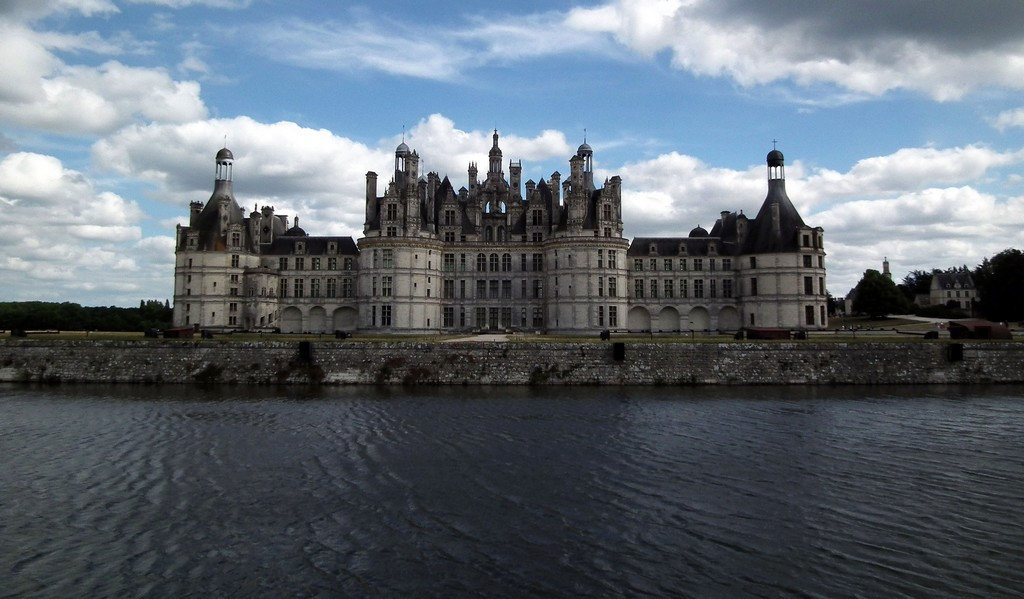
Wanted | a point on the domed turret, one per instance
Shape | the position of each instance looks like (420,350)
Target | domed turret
(402,150)
(775,158)
(698,231)
(224,154)
(584,150)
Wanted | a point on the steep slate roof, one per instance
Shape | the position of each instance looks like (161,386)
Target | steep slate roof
(760,236)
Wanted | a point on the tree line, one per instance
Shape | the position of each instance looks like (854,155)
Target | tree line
(67,316)
(999,281)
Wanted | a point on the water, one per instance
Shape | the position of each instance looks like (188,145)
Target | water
(702,492)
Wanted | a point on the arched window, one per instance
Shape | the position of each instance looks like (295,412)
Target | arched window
(494,262)
(481,262)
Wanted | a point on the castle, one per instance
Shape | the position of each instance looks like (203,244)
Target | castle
(496,255)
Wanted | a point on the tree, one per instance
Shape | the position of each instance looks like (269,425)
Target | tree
(916,282)
(1000,284)
(876,295)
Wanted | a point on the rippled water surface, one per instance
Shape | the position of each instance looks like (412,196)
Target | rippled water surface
(168,491)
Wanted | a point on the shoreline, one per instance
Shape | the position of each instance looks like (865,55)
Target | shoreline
(502,362)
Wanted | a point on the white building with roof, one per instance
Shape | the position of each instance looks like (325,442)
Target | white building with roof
(496,254)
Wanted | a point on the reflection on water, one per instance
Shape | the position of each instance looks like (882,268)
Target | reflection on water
(118,491)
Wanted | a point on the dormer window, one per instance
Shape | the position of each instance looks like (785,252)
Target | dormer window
(712,248)
(300,247)
(652,249)
(682,249)
(332,248)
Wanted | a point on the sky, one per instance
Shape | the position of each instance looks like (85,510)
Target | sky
(902,123)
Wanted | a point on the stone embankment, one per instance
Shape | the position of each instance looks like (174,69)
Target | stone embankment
(511,363)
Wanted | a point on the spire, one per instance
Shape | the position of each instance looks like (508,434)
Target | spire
(494,162)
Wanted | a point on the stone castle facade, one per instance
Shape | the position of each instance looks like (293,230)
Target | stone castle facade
(496,255)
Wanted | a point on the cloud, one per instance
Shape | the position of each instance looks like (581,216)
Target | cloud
(868,47)
(921,207)
(59,230)
(371,43)
(1009,118)
(41,91)
(27,10)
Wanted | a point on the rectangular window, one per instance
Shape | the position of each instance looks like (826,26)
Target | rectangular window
(727,288)
(392,232)
(233,291)
(481,290)
(753,262)
(314,263)
(600,286)
(638,289)
(236,239)
(611,259)
(808,285)
(462,262)
(654,288)
(348,263)
(462,288)
(346,288)
(448,317)
(522,262)
(448,289)
(638,264)
(654,264)
(807,260)
(713,288)
(234,260)
(669,291)
(698,288)
(821,286)
(612,291)
(682,264)
(809,315)
(698,264)
(299,287)
(711,264)
(385,286)
(300,264)
(385,315)
(493,287)
(388,258)
(332,287)
(668,264)
(613,316)
(314,288)
(481,317)
(448,263)
(600,316)
(506,289)
(538,317)
(684,290)
(538,262)
(753,286)
(600,258)
(282,263)
(282,288)
(726,263)
(538,289)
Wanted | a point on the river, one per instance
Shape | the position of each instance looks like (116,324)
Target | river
(116,491)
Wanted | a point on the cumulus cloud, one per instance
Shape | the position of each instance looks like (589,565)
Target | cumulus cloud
(899,205)
(866,47)
(59,230)
(39,90)
(1009,118)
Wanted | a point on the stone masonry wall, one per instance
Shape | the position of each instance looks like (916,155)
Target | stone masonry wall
(584,363)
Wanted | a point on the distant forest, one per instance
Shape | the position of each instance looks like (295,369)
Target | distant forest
(66,316)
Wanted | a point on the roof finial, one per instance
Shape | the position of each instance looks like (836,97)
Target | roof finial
(225,140)
(403,133)
(584,135)
(774,141)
